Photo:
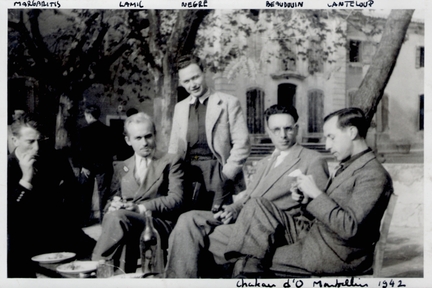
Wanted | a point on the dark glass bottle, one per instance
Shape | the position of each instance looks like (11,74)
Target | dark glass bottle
(152,261)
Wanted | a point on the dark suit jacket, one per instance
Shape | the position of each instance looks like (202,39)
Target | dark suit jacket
(35,218)
(96,151)
(162,190)
(348,218)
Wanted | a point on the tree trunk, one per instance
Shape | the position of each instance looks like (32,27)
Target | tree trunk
(181,42)
(372,87)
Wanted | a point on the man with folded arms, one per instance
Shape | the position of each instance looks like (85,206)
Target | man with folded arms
(200,238)
(148,181)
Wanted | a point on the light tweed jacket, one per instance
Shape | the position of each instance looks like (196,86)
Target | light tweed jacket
(226,130)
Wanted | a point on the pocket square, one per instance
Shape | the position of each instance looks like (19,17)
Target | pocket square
(295,173)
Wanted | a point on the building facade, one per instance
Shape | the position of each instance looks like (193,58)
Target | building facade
(398,123)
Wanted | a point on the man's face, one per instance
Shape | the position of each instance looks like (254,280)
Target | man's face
(87,117)
(282,130)
(27,142)
(338,141)
(192,79)
(141,137)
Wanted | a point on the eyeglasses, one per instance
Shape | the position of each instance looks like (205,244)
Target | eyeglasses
(286,130)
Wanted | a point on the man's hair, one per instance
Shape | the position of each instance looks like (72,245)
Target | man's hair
(186,60)
(25,120)
(280,109)
(131,112)
(139,117)
(348,117)
(93,110)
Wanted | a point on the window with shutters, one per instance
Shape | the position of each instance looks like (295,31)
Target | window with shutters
(351,96)
(315,111)
(361,52)
(382,114)
(255,111)
(421,113)
(354,51)
(419,57)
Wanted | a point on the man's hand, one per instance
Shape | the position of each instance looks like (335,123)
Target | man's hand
(86,172)
(307,185)
(26,164)
(297,195)
(227,215)
(131,207)
(116,204)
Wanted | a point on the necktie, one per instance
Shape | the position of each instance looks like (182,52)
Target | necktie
(338,170)
(141,170)
(193,124)
(272,161)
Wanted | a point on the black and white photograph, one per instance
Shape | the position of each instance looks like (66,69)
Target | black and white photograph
(204,144)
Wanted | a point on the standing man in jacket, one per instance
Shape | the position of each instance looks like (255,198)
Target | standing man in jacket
(96,156)
(209,131)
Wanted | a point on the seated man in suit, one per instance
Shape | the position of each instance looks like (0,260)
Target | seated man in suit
(148,181)
(348,212)
(41,201)
(198,239)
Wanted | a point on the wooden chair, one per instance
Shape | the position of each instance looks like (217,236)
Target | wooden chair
(384,231)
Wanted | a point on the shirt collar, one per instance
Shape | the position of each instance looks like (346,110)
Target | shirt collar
(283,153)
(345,163)
(202,98)
(138,159)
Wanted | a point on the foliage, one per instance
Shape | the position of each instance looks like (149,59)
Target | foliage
(132,52)
(114,47)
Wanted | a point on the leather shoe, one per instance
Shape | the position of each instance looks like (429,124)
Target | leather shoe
(248,267)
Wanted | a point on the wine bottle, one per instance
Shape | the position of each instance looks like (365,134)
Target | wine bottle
(152,261)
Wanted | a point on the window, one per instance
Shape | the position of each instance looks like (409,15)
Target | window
(382,113)
(421,114)
(255,111)
(354,51)
(361,51)
(350,99)
(315,111)
(420,57)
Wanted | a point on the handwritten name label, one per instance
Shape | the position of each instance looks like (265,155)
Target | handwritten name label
(284,4)
(350,3)
(43,4)
(194,4)
(131,4)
